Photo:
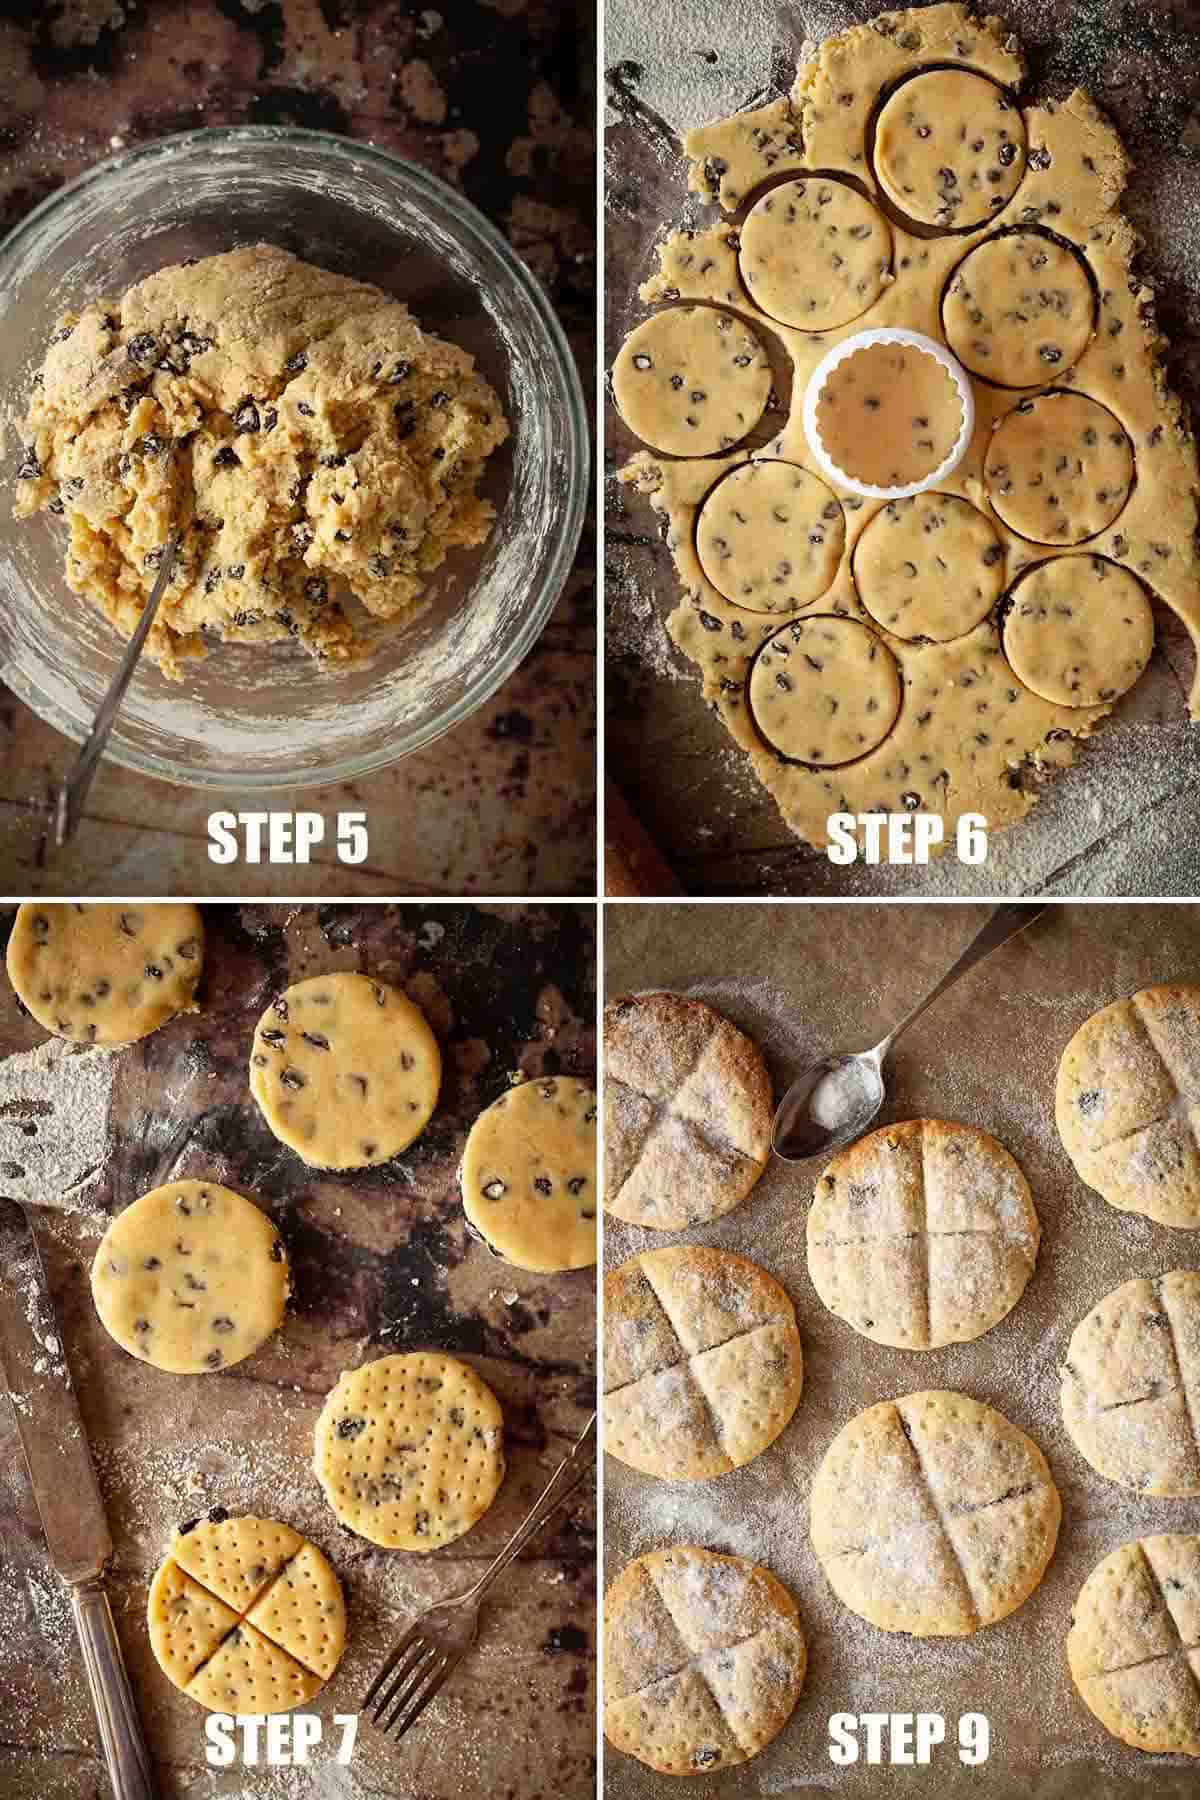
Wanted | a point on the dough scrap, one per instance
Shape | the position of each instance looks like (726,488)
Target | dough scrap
(105,974)
(691,381)
(529,1175)
(1134,1643)
(931,566)
(825,690)
(815,253)
(770,536)
(1080,630)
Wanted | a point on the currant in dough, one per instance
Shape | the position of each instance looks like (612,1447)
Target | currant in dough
(1018,310)
(950,149)
(825,690)
(1080,630)
(1059,468)
(345,1070)
(529,1175)
(770,536)
(191,1277)
(889,415)
(691,380)
(105,974)
(815,253)
(930,566)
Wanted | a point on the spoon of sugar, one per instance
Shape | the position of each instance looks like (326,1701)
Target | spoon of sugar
(834,1100)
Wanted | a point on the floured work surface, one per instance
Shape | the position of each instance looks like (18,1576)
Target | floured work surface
(380,1263)
(1082,461)
(987,1054)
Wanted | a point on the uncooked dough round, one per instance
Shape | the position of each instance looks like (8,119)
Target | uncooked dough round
(825,690)
(929,567)
(1018,310)
(770,537)
(105,974)
(691,380)
(815,253)
(889,414)
(529,1174)
(1080,630)
(345,1070)
(1134,1643)
(950,148)
(191,1277)
(1058,468)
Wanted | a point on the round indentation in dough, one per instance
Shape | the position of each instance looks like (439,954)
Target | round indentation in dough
(410,1449)
(770,537)
(1018,310)
(1058,468)
(191,1277)
(691,381)
(929,567)
(1134,1644)
(815,253)
(825,690)
(950,149)
(105,974)
(1079,631)
(529,1174)
(889,414)
(345,1070)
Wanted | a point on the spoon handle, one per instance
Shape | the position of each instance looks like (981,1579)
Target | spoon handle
(1004,923)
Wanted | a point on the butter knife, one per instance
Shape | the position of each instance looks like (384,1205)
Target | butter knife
(67,1495)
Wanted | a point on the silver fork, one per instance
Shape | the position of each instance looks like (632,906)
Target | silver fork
(426,1657)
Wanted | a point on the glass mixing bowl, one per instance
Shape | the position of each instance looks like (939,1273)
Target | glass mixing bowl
(265,716)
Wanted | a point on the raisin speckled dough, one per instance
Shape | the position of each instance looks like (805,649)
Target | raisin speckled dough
(105,974)
(933,1514)
(191,1277)
(815,253)
(1131,1382)
(825,690)
(931,566)
(770,537)
(950,149)
(704,1660)
(1018,311)
(1134,1643)
(345,1070)
(310,441)
(1080,630)
(889,415)
(529,1175)
(691,381)
(702,1362)
(410,1450)
(1127,1104)
(1059,468)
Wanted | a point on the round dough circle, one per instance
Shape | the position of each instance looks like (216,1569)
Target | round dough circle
(704,1660)
(1127,1104)
(950,149)
(410,1450)
(1134,1643)
(933,1514)
(702,1362)
(770,537)
(245,1615)
(105,974)
(1058,468)
(691,381)
(191,1277)
(922,1234)
(889,414)
(929,567)
(1125,1384)
(345,1070)
(825,690)
(529,1175)
(1080,630)
(687,1112)
(1018,311)
(815,253)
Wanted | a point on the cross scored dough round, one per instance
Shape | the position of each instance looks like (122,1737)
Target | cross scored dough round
(825,691)
(1134,1643)
(922,1234)
(529,1175)
(950,148)
(933,1514)
(691,381)
(815,253)
(1059,468)
(702,1362)
(105,974)
(410,1450)
(704,1660)
(246,1616)
(687,1112)
(1127,1104)
(770,536)
(345,1070)
(1131,1384)
(1019,310)
(1080,630)
(191,1277)
(929,567)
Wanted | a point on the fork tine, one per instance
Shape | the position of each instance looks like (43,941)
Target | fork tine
(408,1641)
(437,1682)
(428,1669)
(418,1657)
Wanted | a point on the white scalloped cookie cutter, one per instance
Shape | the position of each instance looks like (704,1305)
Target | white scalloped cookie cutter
(863,340)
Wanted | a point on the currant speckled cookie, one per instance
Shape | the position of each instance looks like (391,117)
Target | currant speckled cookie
(815,253)
(1059,468)
(1079,630)
(529,1174)
(929,567)
(770,536)
(825,690)
(950,148)
(691,380)
(105,974)
(1134,1643)
(1019,310)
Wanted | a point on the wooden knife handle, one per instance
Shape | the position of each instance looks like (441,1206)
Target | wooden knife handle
(124,1747)
(634,866)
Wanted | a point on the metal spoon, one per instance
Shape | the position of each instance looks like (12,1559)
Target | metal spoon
(835,1099)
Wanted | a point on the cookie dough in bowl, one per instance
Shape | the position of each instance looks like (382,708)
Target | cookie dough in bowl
(105,974)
